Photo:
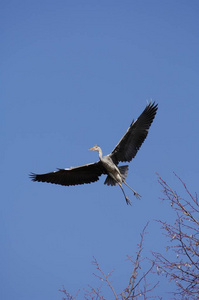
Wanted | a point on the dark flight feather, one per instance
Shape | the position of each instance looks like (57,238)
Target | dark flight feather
(72,176)
(131,142)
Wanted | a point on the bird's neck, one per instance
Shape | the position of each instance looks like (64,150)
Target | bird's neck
(100,153)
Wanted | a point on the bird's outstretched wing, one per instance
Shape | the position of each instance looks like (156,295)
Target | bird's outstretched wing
(72,176)
(130,143)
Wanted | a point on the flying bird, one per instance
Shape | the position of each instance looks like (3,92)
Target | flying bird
(124,151)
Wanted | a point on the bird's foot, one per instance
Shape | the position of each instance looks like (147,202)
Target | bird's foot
(138,196)
(128,202)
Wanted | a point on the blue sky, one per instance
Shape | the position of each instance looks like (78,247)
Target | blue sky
(75,74)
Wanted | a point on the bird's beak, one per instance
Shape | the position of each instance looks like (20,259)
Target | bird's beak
(91,148)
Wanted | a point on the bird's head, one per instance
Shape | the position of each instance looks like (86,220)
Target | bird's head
(95,148)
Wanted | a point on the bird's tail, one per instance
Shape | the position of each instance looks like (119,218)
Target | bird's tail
(123,170)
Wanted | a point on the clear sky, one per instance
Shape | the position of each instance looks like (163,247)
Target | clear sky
(75,74)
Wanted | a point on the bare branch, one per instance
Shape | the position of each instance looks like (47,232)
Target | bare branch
(68,295)
(133,290)
(183,235)
(104,277)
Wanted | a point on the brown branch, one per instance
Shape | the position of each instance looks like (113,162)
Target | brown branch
(68,295)
(105,277)
(130,291)
(133,277)
(185,238)
(144,275)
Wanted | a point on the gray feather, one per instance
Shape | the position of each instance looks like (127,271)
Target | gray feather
(123,170)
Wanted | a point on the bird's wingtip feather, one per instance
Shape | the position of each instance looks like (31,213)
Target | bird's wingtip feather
(32,176)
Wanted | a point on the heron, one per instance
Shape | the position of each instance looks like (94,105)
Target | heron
(124,151)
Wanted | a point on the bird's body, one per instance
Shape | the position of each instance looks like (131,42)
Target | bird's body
(116,175)
(125,150)
(111,168)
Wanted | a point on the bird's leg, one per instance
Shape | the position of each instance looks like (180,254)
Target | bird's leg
(138,196)
(128,202)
